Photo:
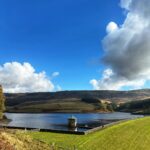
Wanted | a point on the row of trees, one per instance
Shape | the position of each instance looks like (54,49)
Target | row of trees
(2,102)
(139,106)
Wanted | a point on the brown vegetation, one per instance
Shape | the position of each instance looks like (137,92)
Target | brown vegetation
(17,140)
(2,100)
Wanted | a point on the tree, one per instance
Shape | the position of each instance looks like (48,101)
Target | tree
(102,106)
(2,102)
(109,107)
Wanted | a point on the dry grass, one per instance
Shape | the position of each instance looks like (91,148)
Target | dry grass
(17,140)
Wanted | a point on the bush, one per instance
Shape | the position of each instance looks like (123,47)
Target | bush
(2,102)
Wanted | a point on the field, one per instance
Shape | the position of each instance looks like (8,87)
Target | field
(129,135)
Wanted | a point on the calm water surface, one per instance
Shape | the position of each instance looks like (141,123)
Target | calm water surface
(58,121)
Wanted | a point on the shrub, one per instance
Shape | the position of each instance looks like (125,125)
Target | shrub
(2,102)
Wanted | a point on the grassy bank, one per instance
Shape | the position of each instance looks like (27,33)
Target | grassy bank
(130,135)
(17,140)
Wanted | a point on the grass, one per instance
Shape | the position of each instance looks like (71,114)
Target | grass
(129,135)
(17,140)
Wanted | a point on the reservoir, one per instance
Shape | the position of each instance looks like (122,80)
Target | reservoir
(59,121)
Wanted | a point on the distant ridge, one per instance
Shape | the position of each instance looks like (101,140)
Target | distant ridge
(69,99)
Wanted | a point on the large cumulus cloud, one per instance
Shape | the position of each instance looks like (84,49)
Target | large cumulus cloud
(127,49)
(16,77)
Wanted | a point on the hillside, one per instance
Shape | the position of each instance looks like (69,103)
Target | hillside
(67,101)
(136,107)
(17,140)
(134,136)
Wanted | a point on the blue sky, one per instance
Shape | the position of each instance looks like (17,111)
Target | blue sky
(58,35)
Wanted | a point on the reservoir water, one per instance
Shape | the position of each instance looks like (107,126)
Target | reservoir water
(58,121)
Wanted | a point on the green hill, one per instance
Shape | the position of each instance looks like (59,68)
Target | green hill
(129,135)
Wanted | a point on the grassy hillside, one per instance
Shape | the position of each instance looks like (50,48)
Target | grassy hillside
(68,101)
(129,135)
(17,140)
(138,107)
(67,105)
(48,106)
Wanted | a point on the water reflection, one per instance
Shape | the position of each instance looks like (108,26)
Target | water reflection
(58,121)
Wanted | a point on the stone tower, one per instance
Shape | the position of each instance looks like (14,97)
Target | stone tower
(72,122)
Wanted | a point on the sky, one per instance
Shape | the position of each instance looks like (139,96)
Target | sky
(55,45)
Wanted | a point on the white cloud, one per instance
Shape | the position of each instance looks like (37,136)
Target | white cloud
(55,74)
(125,4)
(111,27)
(110,82)
(127,49)
(16,77)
